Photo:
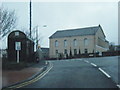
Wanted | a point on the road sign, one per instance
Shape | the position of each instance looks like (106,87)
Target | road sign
(17,45)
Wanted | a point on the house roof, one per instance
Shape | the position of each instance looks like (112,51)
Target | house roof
(76,32)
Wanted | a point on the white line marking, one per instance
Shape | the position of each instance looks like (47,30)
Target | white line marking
(86,61)
(46,62)
(93,64)
(104,72)
(118,86)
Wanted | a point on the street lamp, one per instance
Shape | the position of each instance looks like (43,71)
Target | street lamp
(37,36)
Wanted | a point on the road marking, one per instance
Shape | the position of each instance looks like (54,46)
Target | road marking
(104,72)
(33,80)
(46,62)
(86,61)
(118,86)
(94,64)
(36,79)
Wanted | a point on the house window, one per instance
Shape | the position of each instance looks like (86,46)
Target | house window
(56,43)
(65,51)
(65,43)
(16,33)
(86,51)
(75,51)
(74,42)
(85,41)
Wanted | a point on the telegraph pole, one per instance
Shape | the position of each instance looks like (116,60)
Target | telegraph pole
(30,17)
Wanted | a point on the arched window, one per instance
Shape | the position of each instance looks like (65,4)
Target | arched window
(85,41)
(56,43)
(65,43)
(74,42)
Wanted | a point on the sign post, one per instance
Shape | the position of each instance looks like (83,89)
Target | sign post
(18,48)
(18,56)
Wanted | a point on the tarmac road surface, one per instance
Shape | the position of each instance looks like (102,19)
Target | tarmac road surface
(76,73)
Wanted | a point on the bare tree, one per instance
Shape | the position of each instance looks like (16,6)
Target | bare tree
(35,36)
(7,21)
(26,31)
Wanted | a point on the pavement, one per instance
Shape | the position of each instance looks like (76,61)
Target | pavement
(11,77)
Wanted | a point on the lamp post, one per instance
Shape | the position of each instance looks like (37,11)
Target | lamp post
(37,35)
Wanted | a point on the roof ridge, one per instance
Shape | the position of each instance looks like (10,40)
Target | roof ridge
(76,32)
(77,28)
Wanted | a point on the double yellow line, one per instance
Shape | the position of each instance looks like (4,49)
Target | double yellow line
(33,80)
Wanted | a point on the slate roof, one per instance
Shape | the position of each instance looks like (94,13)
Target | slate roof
(75,32)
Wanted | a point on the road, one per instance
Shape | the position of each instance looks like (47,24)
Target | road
(110,65)
(78,73)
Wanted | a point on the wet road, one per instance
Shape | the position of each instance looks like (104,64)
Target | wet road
(74,73)
(110,65)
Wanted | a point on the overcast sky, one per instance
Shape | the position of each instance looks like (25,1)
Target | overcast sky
(67,15)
